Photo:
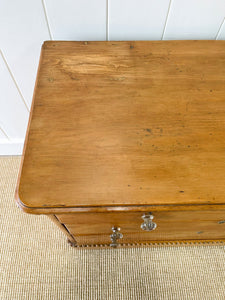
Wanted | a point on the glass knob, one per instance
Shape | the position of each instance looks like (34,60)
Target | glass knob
(116,235)
(148,224)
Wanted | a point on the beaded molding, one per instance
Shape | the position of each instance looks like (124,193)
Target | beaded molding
(150,244)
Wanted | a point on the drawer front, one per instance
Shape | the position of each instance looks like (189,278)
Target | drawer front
(96,228)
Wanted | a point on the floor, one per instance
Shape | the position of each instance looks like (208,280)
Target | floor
(37,263)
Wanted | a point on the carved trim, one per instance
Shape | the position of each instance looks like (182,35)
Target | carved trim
(156,244)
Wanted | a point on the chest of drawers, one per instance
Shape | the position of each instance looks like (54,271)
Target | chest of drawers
(125,143)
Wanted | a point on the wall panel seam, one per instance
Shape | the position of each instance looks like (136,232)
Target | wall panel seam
(14,80)
(218,32)
(167,16)
(4,133)
(107,20)
(47,19)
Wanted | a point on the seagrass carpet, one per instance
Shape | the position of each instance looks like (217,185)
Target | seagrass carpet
(37,263)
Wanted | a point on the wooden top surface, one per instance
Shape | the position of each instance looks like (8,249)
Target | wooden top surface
(126,123)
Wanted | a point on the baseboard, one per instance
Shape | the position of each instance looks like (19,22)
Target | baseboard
(11,147)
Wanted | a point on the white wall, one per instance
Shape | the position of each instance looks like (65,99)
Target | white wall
(25,24)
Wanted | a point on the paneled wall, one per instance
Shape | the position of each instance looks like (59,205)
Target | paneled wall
(25,24)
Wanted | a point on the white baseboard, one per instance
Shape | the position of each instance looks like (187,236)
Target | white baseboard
(11,147)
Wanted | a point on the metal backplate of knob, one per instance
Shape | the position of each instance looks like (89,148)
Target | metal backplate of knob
(148,224)
(116,235)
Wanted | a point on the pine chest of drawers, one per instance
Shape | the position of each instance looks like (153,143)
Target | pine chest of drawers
(126,142)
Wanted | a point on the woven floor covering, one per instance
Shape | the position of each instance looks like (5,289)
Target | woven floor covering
(37,263)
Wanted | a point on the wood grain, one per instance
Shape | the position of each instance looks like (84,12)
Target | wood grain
(126,124)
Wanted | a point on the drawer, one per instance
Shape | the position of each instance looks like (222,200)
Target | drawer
(138,238)
(89,228)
